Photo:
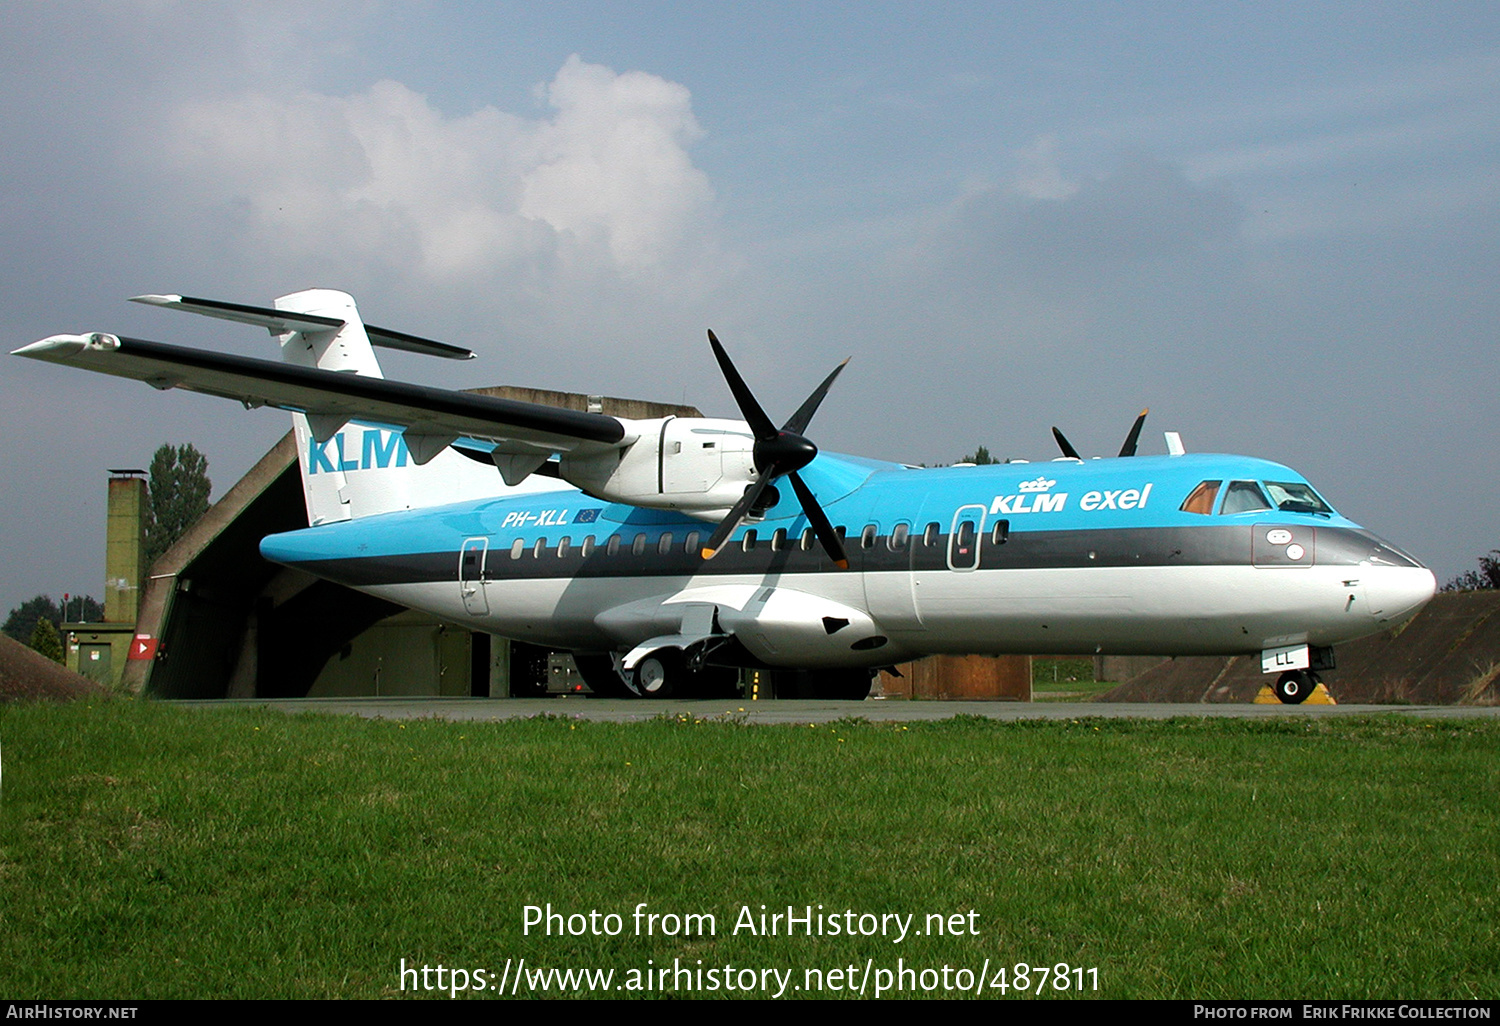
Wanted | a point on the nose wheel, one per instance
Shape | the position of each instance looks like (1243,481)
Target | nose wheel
(1293,686)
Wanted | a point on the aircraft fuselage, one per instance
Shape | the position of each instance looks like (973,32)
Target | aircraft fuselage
(1062,557)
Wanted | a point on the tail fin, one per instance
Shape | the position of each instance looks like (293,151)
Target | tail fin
(326,460)
(355,469)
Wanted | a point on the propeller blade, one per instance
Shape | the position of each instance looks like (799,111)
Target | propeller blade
(799,420)
(777,454)
(756,417)
(829,538)
(736,514)
(1128,449)
(1065,445)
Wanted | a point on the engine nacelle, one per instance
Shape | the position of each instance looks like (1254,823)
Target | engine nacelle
(694,464)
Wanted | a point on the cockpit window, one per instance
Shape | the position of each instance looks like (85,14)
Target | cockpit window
(1244,497)
(1297,497)
(1201,499)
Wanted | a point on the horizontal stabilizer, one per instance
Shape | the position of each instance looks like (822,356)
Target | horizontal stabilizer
(279,322)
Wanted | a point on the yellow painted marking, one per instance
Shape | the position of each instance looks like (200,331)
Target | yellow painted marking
(1320,696)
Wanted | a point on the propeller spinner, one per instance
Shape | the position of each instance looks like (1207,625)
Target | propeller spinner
(777,453)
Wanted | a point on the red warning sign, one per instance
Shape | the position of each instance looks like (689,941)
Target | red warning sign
(143,647)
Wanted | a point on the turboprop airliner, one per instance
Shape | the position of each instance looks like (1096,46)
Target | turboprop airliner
(664,552)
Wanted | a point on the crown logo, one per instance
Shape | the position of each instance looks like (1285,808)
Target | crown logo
(1041,484)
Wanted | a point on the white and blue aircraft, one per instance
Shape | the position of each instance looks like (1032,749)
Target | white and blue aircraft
(662,551)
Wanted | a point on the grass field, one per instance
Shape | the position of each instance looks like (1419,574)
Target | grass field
(149,851)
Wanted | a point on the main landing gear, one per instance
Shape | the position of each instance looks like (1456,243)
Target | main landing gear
(668,673)
(660,674)
(1293,686)
(664,673)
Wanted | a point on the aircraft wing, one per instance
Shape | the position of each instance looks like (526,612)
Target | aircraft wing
(331,399)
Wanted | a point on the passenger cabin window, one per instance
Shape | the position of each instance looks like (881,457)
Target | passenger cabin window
(899,536)
(808,536)
(1201,499)
(588,546)
(748,542)
(563,545)
(664,544)
(1000,533)
(778,539)
(867,536)
(691,545)
(930,535)
(517,547)
(539,548)
(612,547)
(638,546)
(1243,497)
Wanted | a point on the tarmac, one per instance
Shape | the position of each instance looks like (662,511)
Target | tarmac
(814,711)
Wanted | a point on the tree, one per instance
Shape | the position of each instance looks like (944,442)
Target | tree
(980,457)
(1487,576)
(81,609)
(177,496)
(23,619)
(45,641)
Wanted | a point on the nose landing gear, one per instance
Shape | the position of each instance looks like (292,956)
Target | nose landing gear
(1293,686)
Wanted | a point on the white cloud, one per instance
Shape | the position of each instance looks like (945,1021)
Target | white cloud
(614,163)
(1039,176)
(384,178)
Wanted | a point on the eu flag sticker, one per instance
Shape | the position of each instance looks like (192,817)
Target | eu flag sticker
(586,516)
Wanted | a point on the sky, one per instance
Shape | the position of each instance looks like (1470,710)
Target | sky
(1275,224)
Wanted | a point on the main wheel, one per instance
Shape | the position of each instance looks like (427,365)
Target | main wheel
(659,674)
(1293,686)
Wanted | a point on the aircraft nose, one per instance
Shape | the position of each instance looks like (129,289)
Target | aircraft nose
(1397,593)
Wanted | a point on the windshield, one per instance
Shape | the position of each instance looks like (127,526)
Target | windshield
(1243,497)
(1297,497)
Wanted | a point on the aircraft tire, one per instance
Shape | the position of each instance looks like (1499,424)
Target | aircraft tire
(659,674)
(1293,686)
